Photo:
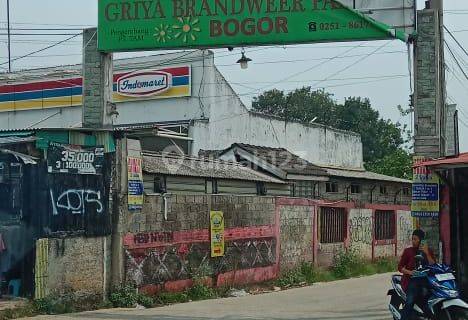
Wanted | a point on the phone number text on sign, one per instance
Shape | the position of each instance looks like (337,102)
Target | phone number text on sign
(74,159)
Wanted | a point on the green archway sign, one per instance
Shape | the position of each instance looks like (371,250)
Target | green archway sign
(179,24)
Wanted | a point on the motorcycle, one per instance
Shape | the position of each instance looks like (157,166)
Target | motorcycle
(440,299)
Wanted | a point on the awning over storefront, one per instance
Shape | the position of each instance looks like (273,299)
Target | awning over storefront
(446,163)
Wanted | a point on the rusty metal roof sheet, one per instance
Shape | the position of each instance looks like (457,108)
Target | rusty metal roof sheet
(170,164)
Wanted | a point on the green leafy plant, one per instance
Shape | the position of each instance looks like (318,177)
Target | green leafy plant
(125,296)
(171,297)
(145,300)
(200,291)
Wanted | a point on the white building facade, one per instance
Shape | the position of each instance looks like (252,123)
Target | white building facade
(190,90)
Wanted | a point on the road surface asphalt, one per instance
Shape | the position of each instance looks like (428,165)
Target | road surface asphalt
(354,299)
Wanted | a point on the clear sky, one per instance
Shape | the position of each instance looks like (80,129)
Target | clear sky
(382,76)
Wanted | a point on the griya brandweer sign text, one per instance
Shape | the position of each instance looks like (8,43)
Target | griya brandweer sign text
(175,24)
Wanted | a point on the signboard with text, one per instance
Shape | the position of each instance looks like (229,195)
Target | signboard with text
(71,159)
(177,24)
(135,183)
(425,202)
(217,233)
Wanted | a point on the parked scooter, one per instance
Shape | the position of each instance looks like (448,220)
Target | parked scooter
(440,299)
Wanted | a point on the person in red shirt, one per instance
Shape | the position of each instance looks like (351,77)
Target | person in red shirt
(407,265)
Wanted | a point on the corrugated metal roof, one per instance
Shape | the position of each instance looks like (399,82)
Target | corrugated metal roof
(459,161)
(15,140)
(283,159)
(357,174)
(26,159)
(169,164)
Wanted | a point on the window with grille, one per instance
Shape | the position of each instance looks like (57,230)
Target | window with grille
(304,189)
(261,189)
(160,185)
(406,191)
(332,225)
(331,187)
(356,188)
(384,225)
(383,190)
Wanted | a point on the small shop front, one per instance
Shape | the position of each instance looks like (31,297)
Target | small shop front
(453,172)
(53,184)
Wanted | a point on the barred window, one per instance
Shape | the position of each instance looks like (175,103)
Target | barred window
(356,188)
(384,225)
(406,191)
(304,189)
(332,225)
(331,187)
(383,189)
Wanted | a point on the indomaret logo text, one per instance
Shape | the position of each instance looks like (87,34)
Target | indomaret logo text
(144,83)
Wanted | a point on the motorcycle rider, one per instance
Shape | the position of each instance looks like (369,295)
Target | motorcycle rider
(413,286)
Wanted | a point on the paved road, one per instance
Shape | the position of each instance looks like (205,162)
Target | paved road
(355,299)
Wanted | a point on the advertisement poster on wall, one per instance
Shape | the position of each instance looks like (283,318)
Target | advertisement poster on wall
(217,233)
(135,183)
(425,202)
(70,159)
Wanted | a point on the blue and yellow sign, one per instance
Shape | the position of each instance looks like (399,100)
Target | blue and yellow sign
(426,183)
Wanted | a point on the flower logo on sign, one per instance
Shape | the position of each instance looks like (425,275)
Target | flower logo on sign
(187,29)
(162,33)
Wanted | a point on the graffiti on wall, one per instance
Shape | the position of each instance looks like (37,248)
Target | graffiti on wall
(148,264)
(360,231)
(185,261)
(76,201)
(405,227)
(360,227)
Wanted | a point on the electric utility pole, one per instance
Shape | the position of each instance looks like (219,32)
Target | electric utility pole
(9,36)
(430,97)
(430,91)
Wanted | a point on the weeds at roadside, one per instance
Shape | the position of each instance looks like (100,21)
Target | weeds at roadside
(346,265)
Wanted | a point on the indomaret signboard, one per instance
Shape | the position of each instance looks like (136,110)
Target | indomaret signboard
(172,24)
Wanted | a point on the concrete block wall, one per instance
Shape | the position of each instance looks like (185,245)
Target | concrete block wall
(297,236)
(361,231)
(78,264)
(166,250)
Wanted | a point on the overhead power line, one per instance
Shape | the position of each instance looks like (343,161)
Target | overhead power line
(455,39)
(456,60)
(40,34)
(48,24)
(43,49)
(43,29)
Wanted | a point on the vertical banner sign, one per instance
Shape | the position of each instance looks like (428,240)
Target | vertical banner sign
(425,202)
(181,24)
(135,183)
(217,233)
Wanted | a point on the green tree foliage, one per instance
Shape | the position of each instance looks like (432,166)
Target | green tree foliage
(383,141)
(397,164)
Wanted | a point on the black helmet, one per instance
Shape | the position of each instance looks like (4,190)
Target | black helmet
(419,233)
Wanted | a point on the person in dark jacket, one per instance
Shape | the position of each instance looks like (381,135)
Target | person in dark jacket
(407,266)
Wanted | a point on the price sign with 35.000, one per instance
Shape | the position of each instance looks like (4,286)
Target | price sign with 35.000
(74,159)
